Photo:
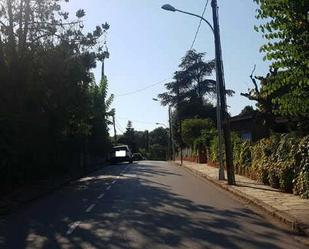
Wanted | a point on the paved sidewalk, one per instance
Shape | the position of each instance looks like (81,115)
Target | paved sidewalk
(288,208)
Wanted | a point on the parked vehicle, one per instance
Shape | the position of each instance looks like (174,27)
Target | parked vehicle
(137,157)
(120,153)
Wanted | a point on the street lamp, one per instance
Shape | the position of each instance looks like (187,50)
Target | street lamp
(169,7)
(162,125)
(171,138)
(221,94)
(169,142)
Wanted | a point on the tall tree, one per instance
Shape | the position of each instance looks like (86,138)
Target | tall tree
(191,91)
(285,26)
(158,139)
(129,137)
(191,82)
(46,101)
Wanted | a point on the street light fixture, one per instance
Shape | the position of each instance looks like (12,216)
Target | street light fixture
(221,94)
(168,7)
(162,124)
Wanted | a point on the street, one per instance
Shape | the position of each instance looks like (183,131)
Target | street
(149,204)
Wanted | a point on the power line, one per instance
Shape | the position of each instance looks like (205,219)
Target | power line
(199,26)
(137,121)
(119,126)
(141,89)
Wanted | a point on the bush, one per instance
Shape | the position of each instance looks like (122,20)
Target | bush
(262,160)
(214,146)
(281,161)
(285,161)
(241,154)
(301,182)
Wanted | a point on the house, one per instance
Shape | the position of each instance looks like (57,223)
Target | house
(248,127)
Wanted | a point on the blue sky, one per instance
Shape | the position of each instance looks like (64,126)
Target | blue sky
(146,44)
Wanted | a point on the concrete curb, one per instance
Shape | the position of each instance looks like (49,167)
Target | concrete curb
(292,222)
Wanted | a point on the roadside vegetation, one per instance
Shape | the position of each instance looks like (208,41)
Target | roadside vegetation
(53,115)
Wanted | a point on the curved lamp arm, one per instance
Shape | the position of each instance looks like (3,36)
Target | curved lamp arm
(169,7)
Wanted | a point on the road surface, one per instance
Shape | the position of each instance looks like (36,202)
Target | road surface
(145,205)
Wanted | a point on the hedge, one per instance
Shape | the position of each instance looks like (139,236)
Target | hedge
(281,161)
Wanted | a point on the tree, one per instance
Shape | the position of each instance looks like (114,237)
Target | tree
(47,99)
(247,110)
(159,136)
(158,140)
(285,27)
(191,82)
(193,128)
(267,111)
(100,117)
(129,137)
(191,91)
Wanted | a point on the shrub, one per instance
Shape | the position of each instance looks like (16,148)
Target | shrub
(301,183)
(281,161)
(285,161)
(273,177)
(236,144)
(214,149)
(260,160)
(245,158)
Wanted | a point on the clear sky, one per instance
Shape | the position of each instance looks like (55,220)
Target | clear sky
(146,44)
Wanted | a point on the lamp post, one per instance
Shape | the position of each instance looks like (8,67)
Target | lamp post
(162,125)
(222,115)
(171,139)
(169,142)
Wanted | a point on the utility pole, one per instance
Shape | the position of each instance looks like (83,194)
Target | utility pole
(222,93)
(103,56)
(180,130)
(180,122)
(171,133)
(114,124)
(147,141)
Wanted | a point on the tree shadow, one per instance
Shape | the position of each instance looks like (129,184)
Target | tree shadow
(250,185)
(137,213)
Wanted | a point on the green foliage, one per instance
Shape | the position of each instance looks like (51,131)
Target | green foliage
(285,162)
(153,145)
(190,91)
(247,110)
(192,130)
(206,137)
(191,81)
(286,28)
(158,140)
(129,137)
(261,158)
(214,145)
(159,136)
(157,152)
(281,161)
(51,111)
(245,154)
(301,183)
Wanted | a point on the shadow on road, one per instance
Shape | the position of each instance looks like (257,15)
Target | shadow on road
(141,213)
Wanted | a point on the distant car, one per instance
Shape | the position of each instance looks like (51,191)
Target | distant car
(137,157)
(120,153)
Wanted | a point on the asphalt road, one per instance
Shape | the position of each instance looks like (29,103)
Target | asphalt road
(145,205)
